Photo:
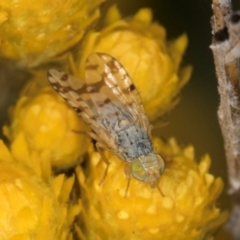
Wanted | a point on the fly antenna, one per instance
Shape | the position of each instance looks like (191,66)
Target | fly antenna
(159,189)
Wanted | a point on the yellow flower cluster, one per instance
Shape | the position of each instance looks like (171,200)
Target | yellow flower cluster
(33,33)
(33,204)
(152,63)
(47,137)
(184,210)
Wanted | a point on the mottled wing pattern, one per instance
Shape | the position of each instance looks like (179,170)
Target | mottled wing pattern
(108,82)
(74,91)
(108,92)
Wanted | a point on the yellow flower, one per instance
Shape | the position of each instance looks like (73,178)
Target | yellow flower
(33,33)
(152,62)
(31,207)
(186,211)
(49,125)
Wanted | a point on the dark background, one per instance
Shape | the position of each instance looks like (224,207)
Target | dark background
(194,120)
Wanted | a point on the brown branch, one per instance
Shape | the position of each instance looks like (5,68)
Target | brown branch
(226,52)
(226,63)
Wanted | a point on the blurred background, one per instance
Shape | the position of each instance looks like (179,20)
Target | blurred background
(194,119)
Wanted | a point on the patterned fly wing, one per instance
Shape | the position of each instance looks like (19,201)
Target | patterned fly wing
(74,91)
(108,82)
(108,92)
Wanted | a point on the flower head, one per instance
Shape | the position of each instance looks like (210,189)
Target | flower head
(186,208)
(141,46)
(49,125)
(33,33)
(33,203)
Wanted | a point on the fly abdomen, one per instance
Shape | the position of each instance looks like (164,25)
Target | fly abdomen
(133,142)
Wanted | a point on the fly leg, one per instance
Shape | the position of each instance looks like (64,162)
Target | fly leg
(127,172)
(155,184)
(80,132)
(159,189)
(99,149)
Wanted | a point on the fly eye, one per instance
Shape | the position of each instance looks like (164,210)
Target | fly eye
(137,170)
(161,164)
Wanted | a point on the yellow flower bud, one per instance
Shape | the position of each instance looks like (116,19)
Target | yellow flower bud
(27,204)
(30,207)
(186,208)
(50,126)
(33,33)
(141,46)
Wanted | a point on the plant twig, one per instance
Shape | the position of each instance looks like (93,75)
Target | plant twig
(226,52)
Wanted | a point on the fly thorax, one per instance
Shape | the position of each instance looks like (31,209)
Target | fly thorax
(133,142)
(116,119)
